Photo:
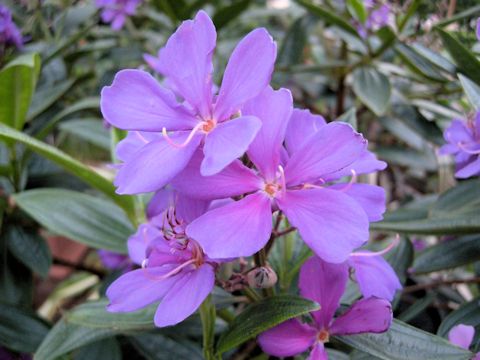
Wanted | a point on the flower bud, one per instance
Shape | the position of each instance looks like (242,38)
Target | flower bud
(262,278)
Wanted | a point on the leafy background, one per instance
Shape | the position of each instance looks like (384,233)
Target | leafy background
(401,87)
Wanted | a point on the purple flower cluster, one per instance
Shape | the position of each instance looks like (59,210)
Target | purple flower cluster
(378,16)
(115,12)
(221,163)
(463,141)
(9,33)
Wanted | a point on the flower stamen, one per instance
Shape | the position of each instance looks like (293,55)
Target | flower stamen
(381,252)
(187,140)
(468,151)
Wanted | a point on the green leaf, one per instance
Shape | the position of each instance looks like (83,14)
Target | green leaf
(95,315)
(472,90)
(84,218)
(29,248)
(350,117)
(293,44)
(455,212)
(372,88)
(158,347)
(91,130)
(20,330)
(418,64)
(262,316)
(106,349)
(327,16)
(404,342)
(17,85)
(357,9)
(459,16)
(465,60)
(449,254)
(70,164)
(227,13)
(467,314)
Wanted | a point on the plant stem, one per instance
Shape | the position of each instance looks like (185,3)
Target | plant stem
(207,315)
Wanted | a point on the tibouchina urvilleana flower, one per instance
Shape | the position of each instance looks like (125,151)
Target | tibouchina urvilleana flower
(137,102)
(9,33)
(463,139)
(333,219)
(115,12)
(462,336)
(175,270)
(325,283)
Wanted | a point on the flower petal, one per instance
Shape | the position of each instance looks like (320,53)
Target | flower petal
(228,141)
(139,288)
(332,148)
(371,315)
(301,126)
(186,60)
(154,165)
(248,72)
(318,352)
(235,179)
(370,197)
(135,101)
(137,243)
(185,296)
(273,108)
(461,335)
(365,164)
(375,276)
(330,222)
(470,169)
(134,140)
(290,338)
(237,229)
(458,131)
(188,209)
(160,201)
(324,283)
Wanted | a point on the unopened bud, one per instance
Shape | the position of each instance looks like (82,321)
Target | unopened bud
(262,278)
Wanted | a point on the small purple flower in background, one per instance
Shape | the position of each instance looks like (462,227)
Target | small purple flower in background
(136,102)
(115,12)
(463,139)
(462,336)
(333,220)
(477,30)
(9,33)
(174,270)
(378,17)
(325,283)
(114,261)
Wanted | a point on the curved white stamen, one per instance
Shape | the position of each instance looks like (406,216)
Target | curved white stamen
(187,140)
(352,181)
(144,263)
(468,151)
(170,273)
(381,252)
(141,137)
(282,178)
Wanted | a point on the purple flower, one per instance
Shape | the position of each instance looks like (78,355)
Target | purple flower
(9,33)
(462,336)
(378,17)
(325,283)
(136,102)
(332,220)
(477,32)
(174,270)
(113,261)
(115,12)
(463,139)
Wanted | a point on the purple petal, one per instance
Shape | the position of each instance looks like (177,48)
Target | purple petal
(135,101)
(118,21)
(332,148)
(331,223)
(237,229)
(318,352)
(235,179)
(228,141)
(290,338)
(370,197)
(188,209)
(458,131)
(273,108)
(461,335)
(153,62)
(372,315)
(112,260)
(301,126)
(365,164)
(470,169)
(375,276)
(186,60)
(159,202)
(138,242)
(185,296)
(139,288)
(248,72)
(154,165)
(477,30)
(133,142)
(324,283)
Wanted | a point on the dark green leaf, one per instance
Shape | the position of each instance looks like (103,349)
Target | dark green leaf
(372,88)
(158,347)
(459,16)
(467,314)
(30,248)
(91,130)
(418,63)
(17,85)
(435,58)
(46,95)
(417,308)
(291,51)
(404,342)
(20,330)
(262,316)
(107,349)
(357,9)
(464,58)
(472,90)
(84,218)
(227,13)
(327,16)
(350,117)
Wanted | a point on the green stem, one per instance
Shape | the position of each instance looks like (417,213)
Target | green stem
(207,315)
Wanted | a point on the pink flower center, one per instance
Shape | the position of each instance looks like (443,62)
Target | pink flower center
(208,125)
(271,189)
(323,336)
